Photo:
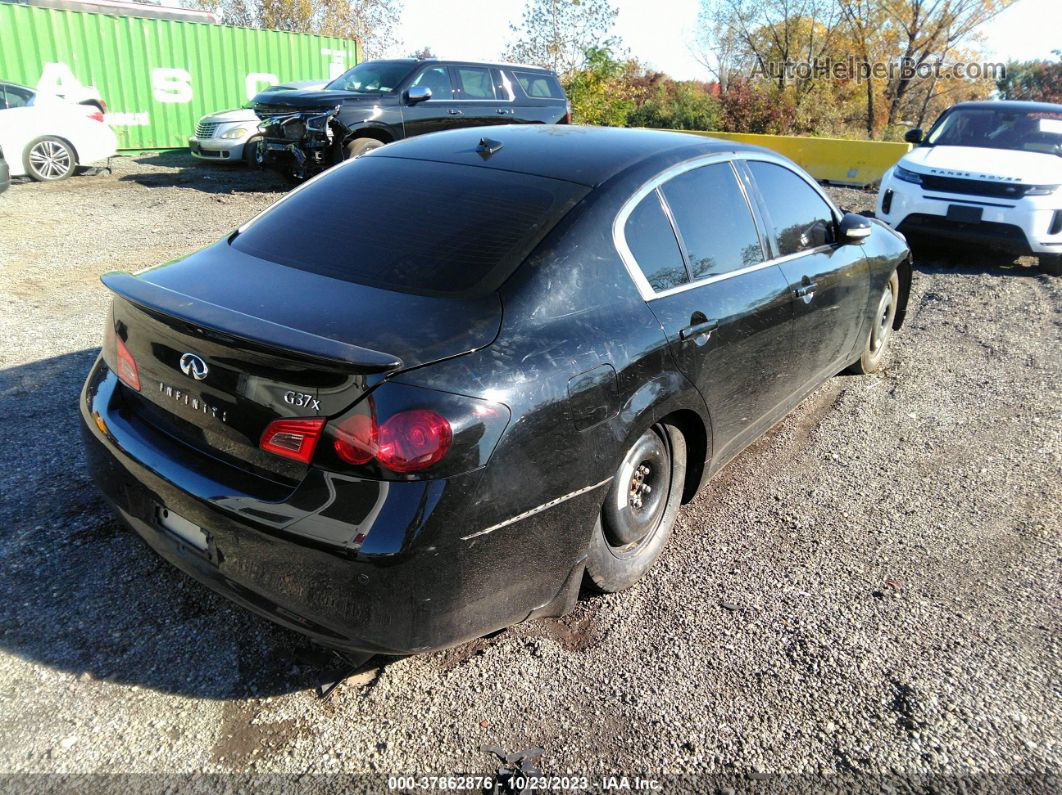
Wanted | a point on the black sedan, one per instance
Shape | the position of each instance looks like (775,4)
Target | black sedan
(425,395)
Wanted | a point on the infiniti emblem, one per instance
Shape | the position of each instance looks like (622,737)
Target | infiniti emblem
(194,366)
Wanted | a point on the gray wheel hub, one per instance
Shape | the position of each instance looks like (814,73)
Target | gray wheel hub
(879,334)
(639,493)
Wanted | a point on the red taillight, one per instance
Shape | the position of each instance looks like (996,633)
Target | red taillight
(96,115)
(295,439)
(413,440)
(125,365)
(409,441)
(568,114)
(355,439)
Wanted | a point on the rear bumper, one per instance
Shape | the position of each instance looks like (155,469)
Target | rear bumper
(417,583)
(5,176)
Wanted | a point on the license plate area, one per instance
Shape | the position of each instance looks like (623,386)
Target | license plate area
(186,531)
(964,214)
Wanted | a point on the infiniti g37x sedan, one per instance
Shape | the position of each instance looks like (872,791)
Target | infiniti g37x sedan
(428,392)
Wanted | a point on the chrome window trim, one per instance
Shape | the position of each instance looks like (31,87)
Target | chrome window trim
(631,264)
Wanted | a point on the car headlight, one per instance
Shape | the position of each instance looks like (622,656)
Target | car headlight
(906,175)
(235,132)
(1040,190)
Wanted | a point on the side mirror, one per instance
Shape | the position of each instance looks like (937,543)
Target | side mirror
(854,228)
(418,94)
(913,136)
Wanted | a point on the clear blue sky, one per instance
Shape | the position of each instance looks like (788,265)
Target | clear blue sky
(658,32)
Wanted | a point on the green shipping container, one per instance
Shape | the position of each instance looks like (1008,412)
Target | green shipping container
(157,76)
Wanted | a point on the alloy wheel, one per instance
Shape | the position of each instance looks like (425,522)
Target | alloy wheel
(50,160)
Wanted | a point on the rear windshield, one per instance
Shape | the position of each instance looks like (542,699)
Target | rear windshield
(412,225)
(539,85)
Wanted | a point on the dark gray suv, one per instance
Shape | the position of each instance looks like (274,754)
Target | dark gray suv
(377,102)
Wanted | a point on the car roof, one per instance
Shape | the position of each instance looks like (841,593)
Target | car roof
(500,64)
(1009,104)
(584,155)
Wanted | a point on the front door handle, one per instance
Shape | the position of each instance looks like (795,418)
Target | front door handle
(456,112)
(704,327)
(505,111)
(806,291)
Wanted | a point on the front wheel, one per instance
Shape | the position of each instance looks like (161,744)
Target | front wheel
(873,355)
(640,510)
(250,151)
(49,159)
(360,146)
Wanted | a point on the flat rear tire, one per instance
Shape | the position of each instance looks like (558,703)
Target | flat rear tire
(640,510)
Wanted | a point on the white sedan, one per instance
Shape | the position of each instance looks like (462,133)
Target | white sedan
(47,138)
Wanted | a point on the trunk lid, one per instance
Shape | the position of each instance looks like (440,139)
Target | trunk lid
(275,342)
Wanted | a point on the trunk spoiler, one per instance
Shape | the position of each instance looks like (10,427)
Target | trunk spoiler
(185,308)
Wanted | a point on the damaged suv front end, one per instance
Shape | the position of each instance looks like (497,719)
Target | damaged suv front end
(300,143)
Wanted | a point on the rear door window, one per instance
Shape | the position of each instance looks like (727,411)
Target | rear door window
(539,85)
(412,225)
(651,240)
(714,220)
(474,83)
(801,218)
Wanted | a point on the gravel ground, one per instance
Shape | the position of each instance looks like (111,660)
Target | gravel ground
(870,590)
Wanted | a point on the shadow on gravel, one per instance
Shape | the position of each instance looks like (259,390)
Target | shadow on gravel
(956,259)
(82,595)
(204,176)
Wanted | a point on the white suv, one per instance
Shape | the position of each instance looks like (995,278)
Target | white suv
(989,174)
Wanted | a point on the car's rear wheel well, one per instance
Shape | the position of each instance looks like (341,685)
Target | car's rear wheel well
(693,431)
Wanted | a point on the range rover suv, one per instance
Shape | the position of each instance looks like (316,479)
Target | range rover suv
(988,174)
(376,102)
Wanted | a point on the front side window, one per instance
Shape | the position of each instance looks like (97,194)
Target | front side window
(651,239)
(714,220)
(474,83)
(373,77)
(437,78)
(801,218)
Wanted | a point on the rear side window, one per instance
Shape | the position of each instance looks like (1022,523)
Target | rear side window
(16,96)
(802,220)
(412,225)
(539,85)
(474,83)
(651,239)
(714,220)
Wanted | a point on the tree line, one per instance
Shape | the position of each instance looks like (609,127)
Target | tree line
(769,67)
(847,68)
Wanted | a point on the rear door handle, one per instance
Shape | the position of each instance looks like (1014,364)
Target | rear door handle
(704,327)
(505,111)
(806,291)
(456,112)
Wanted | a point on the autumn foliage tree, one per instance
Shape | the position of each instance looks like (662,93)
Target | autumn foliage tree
(371,22)
(902,54)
